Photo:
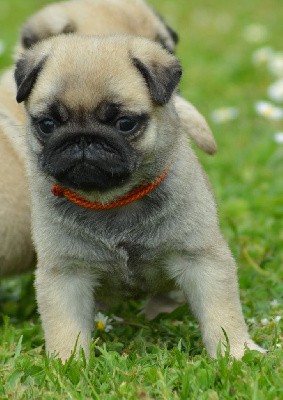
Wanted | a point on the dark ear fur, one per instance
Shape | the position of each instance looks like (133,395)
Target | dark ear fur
(161,79)
(174,35)
(28,39)
(26,77)
(30,36)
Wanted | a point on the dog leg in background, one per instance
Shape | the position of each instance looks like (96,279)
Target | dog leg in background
(195,125)
(65,299)
(163,303)
(209,282)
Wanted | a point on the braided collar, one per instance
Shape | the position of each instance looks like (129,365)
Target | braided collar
(135,194)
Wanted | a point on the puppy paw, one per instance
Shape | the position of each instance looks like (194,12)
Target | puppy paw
(239,351)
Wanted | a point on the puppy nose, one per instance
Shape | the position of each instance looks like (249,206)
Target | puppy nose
(84,146)
(97,146)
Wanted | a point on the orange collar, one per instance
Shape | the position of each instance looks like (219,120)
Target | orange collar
(133,195)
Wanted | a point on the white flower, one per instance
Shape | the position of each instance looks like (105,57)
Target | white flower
(255,33)
(278,345)
(103,322)
(275,303)
(264,321)
(275,64)
(224,114)
(278,137)
(275,91)
(251,320)
(268,110)
(2,47)
(262,56)
(277,318)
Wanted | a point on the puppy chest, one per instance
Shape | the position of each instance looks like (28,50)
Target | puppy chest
(132,272)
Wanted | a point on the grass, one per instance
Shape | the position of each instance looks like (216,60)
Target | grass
(164,359)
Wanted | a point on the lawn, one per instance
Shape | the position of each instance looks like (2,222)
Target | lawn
(164,359)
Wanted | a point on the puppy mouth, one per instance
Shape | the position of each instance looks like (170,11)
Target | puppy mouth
(89,162)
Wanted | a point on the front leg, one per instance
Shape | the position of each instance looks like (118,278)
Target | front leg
(209,282)
(66,305)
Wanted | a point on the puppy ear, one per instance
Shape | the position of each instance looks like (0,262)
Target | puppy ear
(174,35)
(160,70)
(167,37)
(195,125)
(31,36)
(50,21)
(26,76)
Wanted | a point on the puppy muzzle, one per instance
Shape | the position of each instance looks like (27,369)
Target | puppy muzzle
(89,162)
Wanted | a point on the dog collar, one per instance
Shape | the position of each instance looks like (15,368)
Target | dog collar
(133,195)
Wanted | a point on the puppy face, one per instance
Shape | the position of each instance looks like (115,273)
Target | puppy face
(100,110)
(108,17)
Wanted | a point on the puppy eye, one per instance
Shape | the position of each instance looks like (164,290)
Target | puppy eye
(126,124)
(47,125)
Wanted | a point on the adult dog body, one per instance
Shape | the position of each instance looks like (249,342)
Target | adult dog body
(83,16)
(106,105)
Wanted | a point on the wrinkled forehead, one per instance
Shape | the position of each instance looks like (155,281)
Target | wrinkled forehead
(85,77)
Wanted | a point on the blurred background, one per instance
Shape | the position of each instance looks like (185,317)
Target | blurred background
(232,56)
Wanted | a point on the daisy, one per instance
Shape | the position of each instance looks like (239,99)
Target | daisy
(275,303)
(264,321)
(224,114)
(275,64)
(255,33)
(268,110)
(251,320)
(103,322)
(275,91)
(278,138)
(262,55)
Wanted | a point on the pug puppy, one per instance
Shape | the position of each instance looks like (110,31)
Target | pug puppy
(86,16)
(120,204)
